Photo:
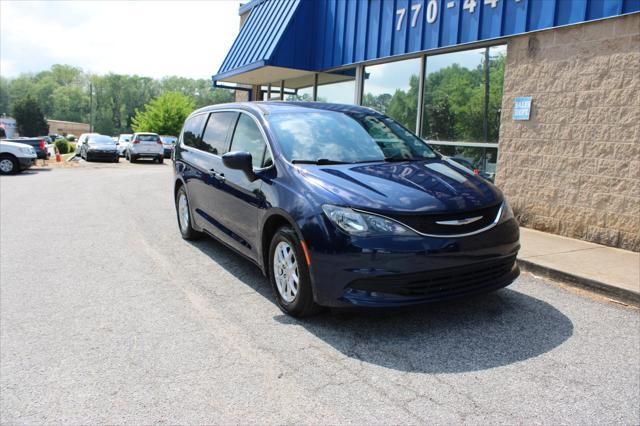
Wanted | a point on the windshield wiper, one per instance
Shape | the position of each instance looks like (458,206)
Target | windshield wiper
(396,159)
(399,159)
(319,161)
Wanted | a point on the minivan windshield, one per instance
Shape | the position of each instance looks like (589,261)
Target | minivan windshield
(330,136)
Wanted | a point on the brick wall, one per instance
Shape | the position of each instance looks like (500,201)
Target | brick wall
(574,168)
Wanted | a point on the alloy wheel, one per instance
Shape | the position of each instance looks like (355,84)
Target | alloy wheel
(6,165)
(183,212)
(286,271)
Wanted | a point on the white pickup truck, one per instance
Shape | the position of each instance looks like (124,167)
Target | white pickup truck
(16,157)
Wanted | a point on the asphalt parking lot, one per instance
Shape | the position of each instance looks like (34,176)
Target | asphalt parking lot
(107,315)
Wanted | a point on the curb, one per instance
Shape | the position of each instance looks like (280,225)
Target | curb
(617,293)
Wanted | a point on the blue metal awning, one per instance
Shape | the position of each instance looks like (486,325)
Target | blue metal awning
(265,40)
(292,39)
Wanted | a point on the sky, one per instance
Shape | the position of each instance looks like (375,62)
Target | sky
(147,38)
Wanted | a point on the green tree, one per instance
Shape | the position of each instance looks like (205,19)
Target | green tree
(30,120)
(4,96)
(164,115)
(441,120)
(69,103)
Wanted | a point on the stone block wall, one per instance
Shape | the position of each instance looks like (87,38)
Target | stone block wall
(574,168)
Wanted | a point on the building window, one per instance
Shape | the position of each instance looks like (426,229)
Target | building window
(392,89)
(337,87)
(462,105)
(455,107)
(304,94)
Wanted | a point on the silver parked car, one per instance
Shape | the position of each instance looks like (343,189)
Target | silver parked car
(123,142)
(145,145)
(169,142)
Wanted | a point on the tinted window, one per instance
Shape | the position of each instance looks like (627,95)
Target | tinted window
(247,137)
(215,133)
(192,134)
(148,138)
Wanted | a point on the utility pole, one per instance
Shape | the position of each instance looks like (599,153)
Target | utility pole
(485,121)
(90,107)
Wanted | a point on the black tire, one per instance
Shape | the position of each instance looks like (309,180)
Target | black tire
(117,159)
(160,160)
(303,304)
(188,233)
(131,159)
(15,166)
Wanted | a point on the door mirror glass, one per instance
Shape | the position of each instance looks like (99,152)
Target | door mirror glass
(240,160)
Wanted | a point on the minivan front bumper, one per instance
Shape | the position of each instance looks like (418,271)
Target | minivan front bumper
(402,271)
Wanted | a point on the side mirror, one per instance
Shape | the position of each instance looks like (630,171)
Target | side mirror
(240,160)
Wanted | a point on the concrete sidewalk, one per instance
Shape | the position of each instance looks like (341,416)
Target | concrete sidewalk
(611,271)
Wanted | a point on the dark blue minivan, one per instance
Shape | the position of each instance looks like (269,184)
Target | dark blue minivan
(341,206)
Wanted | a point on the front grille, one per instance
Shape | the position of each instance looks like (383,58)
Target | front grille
(443,283)
(427,223)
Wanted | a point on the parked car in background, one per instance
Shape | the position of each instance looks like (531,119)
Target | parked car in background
(99,147)
(71,137)
(16,157)
(39,144)
(145,145)
(169,143)
(466,163)
(341,206)
(81,140)
(123,142)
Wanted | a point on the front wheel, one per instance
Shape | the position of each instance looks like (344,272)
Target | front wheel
(117,159)
(289,275)
(184,216)
(160,160)
(8,165)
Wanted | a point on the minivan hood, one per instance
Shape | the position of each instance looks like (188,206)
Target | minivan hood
(431,186)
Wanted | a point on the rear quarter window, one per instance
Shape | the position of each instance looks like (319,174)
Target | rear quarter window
(192,133)
(217,130)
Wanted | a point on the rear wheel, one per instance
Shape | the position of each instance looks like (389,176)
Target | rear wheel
(289,275)
(132,159)
(8,165)
(184,216)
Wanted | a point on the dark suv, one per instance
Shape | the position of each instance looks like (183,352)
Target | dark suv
(341,206)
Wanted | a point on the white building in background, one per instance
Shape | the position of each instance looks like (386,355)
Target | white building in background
(9,126)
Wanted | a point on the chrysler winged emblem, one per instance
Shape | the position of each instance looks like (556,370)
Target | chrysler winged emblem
(458,222)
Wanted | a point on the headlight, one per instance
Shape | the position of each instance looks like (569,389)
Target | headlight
(506,212)
(357,223)
(28,150)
